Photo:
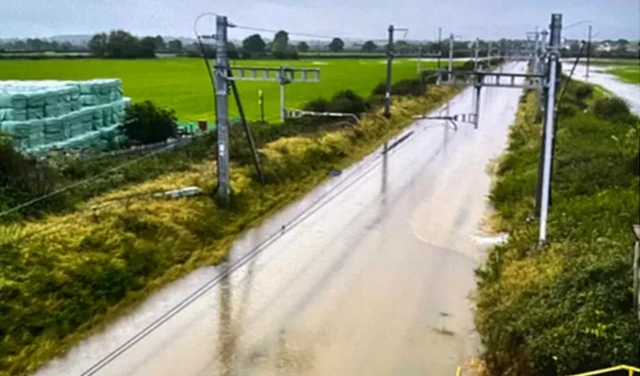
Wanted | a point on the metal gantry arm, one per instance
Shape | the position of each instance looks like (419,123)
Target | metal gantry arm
(282,75)
(490,79)
(286,74)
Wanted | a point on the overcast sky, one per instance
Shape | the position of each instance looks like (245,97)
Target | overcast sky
(489,19)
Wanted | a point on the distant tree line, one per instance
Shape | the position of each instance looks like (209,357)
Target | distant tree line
(120,44)
(37,45)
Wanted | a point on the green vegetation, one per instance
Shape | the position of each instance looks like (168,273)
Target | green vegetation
(628,70)
(628,74)
(147,124)
(566,307)
(183,84)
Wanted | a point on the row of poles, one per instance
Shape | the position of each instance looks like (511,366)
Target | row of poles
(544,62)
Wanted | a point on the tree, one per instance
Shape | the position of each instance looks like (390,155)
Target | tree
(148,124)
(402,46)
(232,51)
(65,46)
(146,47)
(121,44)
(302,47)
(280,44)
(36,44)
(159,43)
(369,46)
(336,45)
(175,45)
(574,48)
(98,45)
(254,44)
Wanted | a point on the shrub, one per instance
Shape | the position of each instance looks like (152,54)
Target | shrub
(467,66)
(23,178)
(347,101)
(583,92)
(412,87)
(613,108)
(429,76)
(380,89)
(317,105)
(148,124)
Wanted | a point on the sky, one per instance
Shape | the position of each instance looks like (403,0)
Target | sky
(361,19)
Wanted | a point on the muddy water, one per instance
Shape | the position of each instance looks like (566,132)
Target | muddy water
(599,76)
(368,275)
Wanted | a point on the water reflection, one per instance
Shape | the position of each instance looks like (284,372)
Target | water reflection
(227,335)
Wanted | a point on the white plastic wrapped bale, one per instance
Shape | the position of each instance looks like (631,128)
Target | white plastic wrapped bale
(55,130)
(12,100)
(98,92)
(44,114)
(25,134)
(11,114)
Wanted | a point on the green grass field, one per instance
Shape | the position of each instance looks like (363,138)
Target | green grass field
(630,74)
(183,83)
(628,70)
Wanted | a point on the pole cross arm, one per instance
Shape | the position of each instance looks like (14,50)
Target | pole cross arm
(490,79)
(287,75)
(296,114)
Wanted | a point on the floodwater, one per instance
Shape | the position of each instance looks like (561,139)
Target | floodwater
(370,274)
(599,76)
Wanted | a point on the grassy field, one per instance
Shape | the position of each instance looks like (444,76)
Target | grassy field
(630,74)
(627,70)
(183,84)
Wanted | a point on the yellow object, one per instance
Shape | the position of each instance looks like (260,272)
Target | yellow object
(630,369)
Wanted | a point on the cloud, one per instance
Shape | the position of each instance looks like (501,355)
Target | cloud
(345,18)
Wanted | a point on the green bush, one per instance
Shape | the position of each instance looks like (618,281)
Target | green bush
(347,101)
(584,92)
(24,178)
(429,76)
(411,87)
(317,105)
(379,89)
(148,124)
(612,108)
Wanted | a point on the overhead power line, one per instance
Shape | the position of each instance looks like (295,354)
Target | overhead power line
(81,182)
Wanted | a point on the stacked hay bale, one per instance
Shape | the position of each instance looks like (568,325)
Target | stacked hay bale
(40,115)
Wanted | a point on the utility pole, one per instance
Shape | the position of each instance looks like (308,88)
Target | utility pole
(261,104)
(536,70)
(588,53)
(223,189)
(554,45)
(419,59)
(450,55)
(439,45)
(390,55)
(225,74)
(543,64)
(283,81)
(387,100)
(475,54)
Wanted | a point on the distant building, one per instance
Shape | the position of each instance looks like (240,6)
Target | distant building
(605,47)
